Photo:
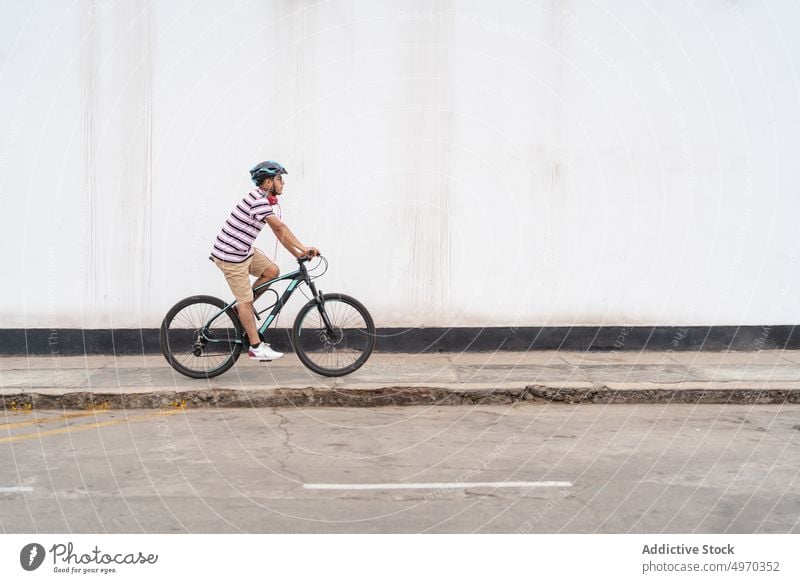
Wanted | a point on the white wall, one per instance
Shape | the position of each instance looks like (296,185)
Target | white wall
(533,163)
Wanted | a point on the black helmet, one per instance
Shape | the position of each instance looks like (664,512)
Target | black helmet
(264,170)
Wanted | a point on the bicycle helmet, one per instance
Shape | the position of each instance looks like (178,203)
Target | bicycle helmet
(264,170)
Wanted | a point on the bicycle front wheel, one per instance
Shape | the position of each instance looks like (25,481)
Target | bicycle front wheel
(196,346)
(341,348)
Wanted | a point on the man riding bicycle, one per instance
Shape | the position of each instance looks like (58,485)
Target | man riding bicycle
(234,254)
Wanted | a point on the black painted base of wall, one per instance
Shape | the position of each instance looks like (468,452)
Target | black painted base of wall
(72,342)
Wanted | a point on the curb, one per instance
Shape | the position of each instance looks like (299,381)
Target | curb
(393,396)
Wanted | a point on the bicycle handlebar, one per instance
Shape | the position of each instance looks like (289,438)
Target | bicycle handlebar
(304,258)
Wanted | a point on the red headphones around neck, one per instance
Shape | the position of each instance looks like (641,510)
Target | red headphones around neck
(272,198)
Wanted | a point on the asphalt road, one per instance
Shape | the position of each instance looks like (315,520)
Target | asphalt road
(520,468)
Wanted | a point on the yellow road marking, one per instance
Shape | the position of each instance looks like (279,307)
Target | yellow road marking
(89,426)
(40,420)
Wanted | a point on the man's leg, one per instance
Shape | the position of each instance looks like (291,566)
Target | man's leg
(248,320)
(238,278)
(264,270)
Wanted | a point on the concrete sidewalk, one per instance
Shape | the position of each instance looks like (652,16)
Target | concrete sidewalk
(47,382)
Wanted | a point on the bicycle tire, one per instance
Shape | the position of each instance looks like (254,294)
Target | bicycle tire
(364,334)
(175,340)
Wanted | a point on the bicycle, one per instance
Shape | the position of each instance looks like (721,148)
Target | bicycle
(333,334)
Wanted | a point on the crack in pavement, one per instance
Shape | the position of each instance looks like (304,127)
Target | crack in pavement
(287,442)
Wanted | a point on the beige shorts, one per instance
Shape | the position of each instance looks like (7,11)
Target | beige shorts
(238,274)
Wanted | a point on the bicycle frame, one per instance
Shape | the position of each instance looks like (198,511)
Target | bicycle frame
(297,277)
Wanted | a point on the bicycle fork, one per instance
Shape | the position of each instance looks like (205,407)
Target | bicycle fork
(321,308)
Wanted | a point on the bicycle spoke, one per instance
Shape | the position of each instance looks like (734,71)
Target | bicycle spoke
(353,317)
(189,332)
(338,349)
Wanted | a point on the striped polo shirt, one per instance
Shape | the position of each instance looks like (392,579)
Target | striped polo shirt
(235,241)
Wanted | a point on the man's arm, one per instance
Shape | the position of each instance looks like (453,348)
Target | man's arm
(286,237)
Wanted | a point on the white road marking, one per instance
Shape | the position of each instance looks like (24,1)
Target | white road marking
(437,485)
(16,489)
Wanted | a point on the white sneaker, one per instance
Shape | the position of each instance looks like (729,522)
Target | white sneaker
(263,353)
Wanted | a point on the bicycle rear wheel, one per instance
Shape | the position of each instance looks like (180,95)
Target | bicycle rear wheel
(342,349)
(193,346)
